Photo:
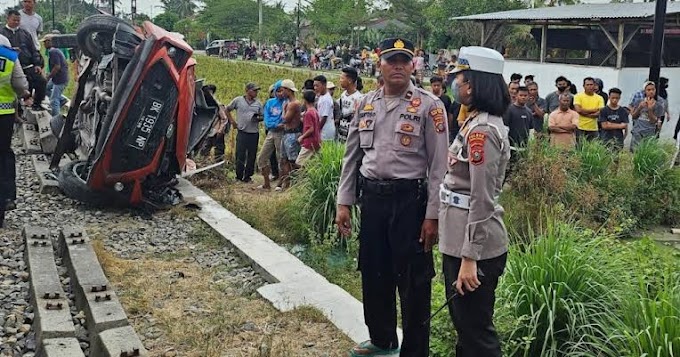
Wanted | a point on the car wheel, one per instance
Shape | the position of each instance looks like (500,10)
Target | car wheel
(95,34)
(72,182)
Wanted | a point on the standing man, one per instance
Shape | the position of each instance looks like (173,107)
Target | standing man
(518,119)
(537,106)
(614,120)
(562,124)
(292,130)
(29,56)
(324,106)
(58,76)
(474,241)
(396,151)
(588,105)
(645,112)
(273,110)
(349,99)
(31,21)
(248,115)
(512,88)
(553,99)
(12,84)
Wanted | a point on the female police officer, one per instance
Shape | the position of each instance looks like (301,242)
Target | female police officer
(473,238)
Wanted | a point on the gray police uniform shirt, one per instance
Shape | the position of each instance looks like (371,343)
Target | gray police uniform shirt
(245,112)
(396,138)
(482,152)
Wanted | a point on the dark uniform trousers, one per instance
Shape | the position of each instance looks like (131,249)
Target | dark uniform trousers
(8,189)
(246,152)
(37,83)
(391,258)
(472,313)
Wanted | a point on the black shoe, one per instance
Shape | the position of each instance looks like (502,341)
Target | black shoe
(10,205)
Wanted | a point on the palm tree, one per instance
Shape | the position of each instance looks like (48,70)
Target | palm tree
(183,8)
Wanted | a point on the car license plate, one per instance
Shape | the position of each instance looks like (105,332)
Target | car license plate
(145,124)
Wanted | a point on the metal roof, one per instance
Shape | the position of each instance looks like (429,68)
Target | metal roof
(576,12)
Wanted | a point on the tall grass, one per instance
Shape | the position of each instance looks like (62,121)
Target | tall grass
(560,291)
(316,189)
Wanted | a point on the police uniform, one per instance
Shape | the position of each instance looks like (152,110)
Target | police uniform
(470,218)
(394,163)
(12,81)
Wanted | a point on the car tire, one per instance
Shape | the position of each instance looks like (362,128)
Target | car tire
(74,186)
(95,25)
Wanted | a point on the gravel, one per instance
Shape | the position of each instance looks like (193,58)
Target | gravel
(125,233)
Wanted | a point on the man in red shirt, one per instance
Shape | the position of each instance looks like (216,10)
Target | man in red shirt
(310,140)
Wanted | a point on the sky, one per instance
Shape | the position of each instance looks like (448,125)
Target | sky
(152,7)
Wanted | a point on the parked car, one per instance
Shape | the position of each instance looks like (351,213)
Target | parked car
(218,47)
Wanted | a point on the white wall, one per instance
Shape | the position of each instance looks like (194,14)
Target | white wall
(628,80)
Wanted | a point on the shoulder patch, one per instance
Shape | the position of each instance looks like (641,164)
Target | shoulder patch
(438,119)
(476,147)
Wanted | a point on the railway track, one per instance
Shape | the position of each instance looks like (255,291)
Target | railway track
(68,283)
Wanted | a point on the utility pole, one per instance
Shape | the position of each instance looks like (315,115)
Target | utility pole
(657,42)
(133,9)
(297,39)
(113,7)
(259,23)
(54,23)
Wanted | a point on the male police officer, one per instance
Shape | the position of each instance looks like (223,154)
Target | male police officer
(474,241)
(396,151)
(12,81)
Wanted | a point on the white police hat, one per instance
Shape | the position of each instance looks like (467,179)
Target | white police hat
(481,59)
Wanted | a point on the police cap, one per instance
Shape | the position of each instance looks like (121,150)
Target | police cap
(393,46)
(480,59)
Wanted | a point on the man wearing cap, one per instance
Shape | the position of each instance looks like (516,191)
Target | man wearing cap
(394,163)
(57,77)
(273,112)
(473,238)
(12,84)
(248,115)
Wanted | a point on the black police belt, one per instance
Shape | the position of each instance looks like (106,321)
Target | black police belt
(390,187)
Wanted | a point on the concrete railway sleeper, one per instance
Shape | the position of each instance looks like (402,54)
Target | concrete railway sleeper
(67,285)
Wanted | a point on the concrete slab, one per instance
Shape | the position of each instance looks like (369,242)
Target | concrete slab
(295,284)
(48,180)
(29,115)
(103,311)
(52,315)
(60,347)
(48,141)
(79,256)
(117,342)
(30,139)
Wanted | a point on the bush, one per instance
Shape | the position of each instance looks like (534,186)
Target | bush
(593,184)
(559,291)
(651,324)
(316,189)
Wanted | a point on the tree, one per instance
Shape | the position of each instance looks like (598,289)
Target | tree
(413,14)
(166,20)
(334,20)
(182,8)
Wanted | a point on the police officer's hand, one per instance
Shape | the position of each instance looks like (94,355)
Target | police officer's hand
(343,218)
(467,276)
(428,234)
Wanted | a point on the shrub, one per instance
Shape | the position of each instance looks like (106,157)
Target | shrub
(316,189)
(559,291)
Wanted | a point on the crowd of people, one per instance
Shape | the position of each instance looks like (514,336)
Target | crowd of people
(296,123)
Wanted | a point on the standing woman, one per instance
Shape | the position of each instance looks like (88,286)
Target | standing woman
(473,238)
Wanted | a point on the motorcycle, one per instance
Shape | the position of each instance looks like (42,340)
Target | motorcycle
(135,116)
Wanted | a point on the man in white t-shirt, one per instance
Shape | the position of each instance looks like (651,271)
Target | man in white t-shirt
(31,21)
(349,99)
(324,106)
